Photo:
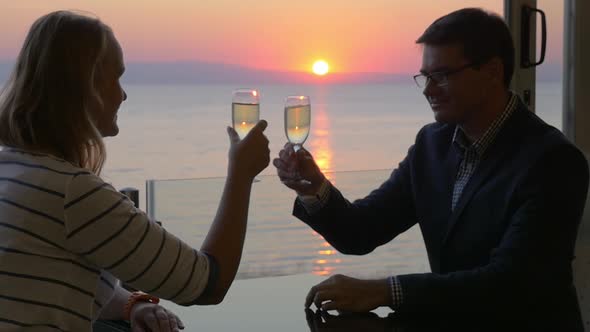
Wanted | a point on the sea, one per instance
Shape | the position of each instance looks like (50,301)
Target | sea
(174,138)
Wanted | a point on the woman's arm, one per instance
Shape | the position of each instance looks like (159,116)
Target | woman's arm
(114,309)
(105,228)
(225,239)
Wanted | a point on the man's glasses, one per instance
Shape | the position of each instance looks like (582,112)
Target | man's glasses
(441,78)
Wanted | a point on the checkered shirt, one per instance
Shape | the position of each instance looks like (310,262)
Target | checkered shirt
(473,152)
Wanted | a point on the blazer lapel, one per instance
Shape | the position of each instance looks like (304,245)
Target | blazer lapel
(443,212)
(495,154)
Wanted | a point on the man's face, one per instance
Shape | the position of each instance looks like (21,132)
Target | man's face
(457,98)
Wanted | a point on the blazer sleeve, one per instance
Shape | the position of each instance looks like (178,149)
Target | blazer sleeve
(361,226)
(533,259)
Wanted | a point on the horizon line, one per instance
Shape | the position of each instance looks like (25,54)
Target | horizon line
(289,71)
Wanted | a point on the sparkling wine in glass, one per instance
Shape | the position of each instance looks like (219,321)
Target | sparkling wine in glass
(297,120)
(245,110)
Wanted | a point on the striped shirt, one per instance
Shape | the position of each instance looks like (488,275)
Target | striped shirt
(472,155)
(66,236)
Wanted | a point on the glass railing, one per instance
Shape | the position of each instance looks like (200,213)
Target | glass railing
(276,242)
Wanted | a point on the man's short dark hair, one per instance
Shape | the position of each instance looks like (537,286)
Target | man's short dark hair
(483,36)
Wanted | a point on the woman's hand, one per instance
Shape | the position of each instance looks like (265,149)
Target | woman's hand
(251,155)
(150,317)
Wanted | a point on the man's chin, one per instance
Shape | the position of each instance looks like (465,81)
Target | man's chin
(444,117)
(441,117)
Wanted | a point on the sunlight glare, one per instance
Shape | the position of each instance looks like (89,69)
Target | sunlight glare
(320,67)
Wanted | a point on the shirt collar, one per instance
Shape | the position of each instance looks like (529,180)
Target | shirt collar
(481,144)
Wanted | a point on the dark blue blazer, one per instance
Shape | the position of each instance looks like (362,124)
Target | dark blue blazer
(507,247)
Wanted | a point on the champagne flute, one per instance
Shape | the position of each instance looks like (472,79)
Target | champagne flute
(245,110)
(297,120)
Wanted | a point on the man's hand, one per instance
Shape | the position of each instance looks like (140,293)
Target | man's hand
(322,321)
(154,318)
(298,170)
(348,294)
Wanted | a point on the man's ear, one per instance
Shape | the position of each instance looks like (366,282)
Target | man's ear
(494,69)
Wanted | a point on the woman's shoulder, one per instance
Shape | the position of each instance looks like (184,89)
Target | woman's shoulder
(23,163)
(40,161)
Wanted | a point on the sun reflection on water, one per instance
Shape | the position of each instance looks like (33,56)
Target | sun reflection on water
(321,149)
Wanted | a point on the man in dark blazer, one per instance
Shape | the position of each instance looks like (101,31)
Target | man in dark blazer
(497,192)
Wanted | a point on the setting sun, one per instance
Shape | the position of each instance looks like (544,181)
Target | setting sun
(320,67)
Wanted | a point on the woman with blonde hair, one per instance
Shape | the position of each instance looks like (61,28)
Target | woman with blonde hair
(66,236)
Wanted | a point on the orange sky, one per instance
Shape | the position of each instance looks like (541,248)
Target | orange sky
(353,36)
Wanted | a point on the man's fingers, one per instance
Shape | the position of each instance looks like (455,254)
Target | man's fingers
(286,154)
(310,296)
(285,174)
(283,154)
(280,164)
(305,159)
(285,163)
(321,287)
(310,318)
(327,316)
(322,296)
(331,305)
(307,165)
(302,152)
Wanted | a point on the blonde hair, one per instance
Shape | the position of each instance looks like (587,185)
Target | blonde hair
(46,104)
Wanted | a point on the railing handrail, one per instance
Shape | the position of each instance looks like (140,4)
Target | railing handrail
(150,181)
